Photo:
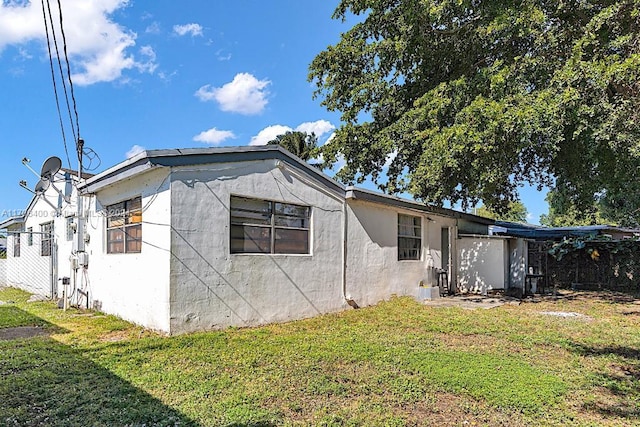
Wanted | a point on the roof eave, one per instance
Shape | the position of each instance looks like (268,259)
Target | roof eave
(14,220)
(366,195)
(195,156)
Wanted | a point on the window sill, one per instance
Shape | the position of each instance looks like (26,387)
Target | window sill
(273,255)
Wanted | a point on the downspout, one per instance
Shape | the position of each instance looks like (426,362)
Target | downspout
(345,229)
(343,199)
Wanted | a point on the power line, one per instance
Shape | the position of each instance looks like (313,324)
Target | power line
(62,76)
(55,87)
(66,58)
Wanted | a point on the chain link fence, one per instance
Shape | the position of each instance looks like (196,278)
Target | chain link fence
(29,262)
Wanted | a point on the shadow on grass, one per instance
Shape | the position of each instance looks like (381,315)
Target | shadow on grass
(622,297)
(12,317)
(621,381)
(46,383)
(621,351)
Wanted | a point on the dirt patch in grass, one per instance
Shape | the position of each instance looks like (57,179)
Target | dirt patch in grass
(22,332)
(115,336)
(437,408)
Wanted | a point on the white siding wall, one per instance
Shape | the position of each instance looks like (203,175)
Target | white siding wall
(133,286)
(211,288)
(483,263)
(518,254)
(3,272)
(373,270)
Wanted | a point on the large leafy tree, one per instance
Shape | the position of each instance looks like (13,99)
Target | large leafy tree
(301,144)
(473,98)
(614,209)
(516,212)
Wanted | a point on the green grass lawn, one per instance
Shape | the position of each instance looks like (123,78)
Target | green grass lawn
(399,363)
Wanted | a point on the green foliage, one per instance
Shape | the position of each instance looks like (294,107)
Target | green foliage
(516,212)
(301,144)
(563,212)
(472,99)
(596,261)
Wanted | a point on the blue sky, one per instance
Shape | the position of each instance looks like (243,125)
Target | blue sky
(163,74)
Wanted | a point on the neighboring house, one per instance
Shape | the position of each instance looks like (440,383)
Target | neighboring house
(194,239)
(39,242)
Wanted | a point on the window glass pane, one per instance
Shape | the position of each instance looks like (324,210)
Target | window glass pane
(134,204)
(115,248)
(245,217)
(292,210)
(409,225)
(248,239)
(115,241)
(16,245)
(70,228)
(409,248)
(134,211)
(291,242)
(45,248)
(116,235)
(254,205)
(288,221)
(115,221)
(115,215)
(133,236)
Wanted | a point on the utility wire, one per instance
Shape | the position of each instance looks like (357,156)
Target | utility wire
(62,76)
(66,58)
(55,87)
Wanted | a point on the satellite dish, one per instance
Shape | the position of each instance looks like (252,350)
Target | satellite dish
(42,186)
(50,167)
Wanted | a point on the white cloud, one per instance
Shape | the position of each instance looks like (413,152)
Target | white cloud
(244,95)
(167,76)
(150,64)
(269,133)
(135,150)
(153,28)
(191,29)
(214,136)
(98,47)
(223,57)
(319,127)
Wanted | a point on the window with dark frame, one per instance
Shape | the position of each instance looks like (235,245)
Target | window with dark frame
(16,244)
(70,228)
(409,237)
(268,227)
(46,238)
(30,236)
(124,227)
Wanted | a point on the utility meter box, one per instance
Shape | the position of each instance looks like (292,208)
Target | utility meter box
(83,259)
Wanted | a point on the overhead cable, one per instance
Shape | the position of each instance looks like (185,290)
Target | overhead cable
(53,78)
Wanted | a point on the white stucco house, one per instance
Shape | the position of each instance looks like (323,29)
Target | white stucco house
(193,239)
(37,238)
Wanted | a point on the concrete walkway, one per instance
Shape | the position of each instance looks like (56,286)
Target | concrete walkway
(472,302)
